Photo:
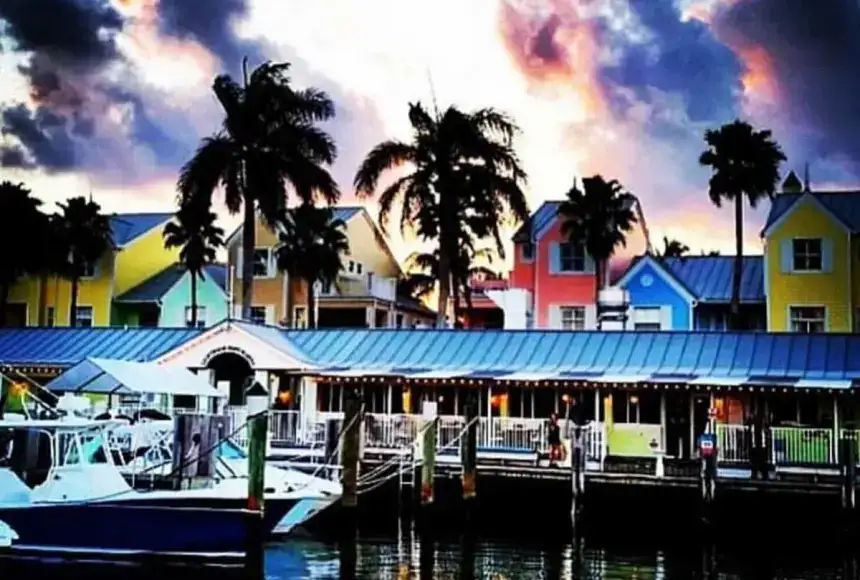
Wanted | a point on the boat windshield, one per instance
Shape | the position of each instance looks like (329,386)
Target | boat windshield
(229,450)
(86,448)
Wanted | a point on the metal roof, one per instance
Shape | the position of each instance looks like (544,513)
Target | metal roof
(844,205)
(538,222)
(662,356)
(709,278)
(339,212)
(68,346)
(126,227)
(153,289)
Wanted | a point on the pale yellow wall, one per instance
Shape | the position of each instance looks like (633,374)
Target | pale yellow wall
(144,257)
(831,289)
(367,246)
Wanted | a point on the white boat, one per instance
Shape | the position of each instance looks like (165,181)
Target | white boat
(72,501)
(7,535)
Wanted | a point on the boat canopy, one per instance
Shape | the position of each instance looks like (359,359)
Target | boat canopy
(116,377)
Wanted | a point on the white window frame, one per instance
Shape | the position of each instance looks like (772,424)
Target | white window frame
(253,319)
(647,325)
(201,317)
(572,317)
(806,255)
(79,310)
(807,321)
(269,269)
(577,263)
(300,312)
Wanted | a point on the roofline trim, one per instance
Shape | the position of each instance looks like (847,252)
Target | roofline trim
(662,271)
(793,207)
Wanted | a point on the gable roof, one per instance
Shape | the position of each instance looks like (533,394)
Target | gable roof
(538,222)
(709,278)
(341,212)
(127,227)
(640,262)
(844,206)
(156,287)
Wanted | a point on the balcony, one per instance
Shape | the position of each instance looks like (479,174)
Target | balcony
(361,286)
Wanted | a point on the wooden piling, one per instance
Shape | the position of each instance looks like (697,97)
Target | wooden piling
(469,455)
(350,448)
(848,459)
(428,460)
(258,428)
(577,468)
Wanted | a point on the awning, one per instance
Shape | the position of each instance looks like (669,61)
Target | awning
(115,377)
(823,384)
(354,373)
(720,381)
(440,374)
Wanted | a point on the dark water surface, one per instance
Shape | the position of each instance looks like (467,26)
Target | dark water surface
(402,554)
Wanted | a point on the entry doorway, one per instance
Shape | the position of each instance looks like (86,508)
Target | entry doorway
(678,424)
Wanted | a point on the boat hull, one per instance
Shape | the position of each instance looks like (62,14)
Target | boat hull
(207,528)
(303,511)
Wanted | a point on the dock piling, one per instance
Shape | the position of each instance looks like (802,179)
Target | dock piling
(469,456)
(428,459)
(848,457)
(577,465)
(258,426)
(350,447)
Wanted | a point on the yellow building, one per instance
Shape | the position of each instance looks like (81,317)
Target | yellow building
(364,295)
(812,261)
(139,254)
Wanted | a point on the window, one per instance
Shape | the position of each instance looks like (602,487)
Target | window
(201,316)
(258,314)
(300,317)
(571,257)
(807,319)
(528,252)
(84,316)
(573,317)
(647,318)
(806,255)
(354,267)
(90,271)
(262,263)
(636,407)
(50,316)
(398,321)
(325,287)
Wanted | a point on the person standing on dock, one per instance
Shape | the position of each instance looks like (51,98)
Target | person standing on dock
(554,435)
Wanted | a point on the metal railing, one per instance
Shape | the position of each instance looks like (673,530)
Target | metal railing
(733,443)
(802,446)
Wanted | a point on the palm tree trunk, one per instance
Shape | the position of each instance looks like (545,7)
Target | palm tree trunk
(312,315)
(4,303)
(444,287)
(248,242)
(735,315)
(73,303)
(194,299)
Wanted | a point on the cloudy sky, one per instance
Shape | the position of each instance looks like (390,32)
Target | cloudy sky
(112,96)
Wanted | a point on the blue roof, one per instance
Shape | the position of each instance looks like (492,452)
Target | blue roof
(709,278)
(346,212)
(153,289)
(844,205)
(126,227)
(783,356)
(539,221)
(68,346)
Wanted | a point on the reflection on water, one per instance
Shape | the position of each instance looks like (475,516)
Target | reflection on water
(401,554)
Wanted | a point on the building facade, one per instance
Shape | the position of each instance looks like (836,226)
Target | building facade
(139,254)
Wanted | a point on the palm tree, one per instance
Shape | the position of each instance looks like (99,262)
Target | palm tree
(464,181)
(84,235)
(270,139)
(19,216)
(600,215)
(673,249)
(423,273)
(744,164)
(312,244)
(193,230)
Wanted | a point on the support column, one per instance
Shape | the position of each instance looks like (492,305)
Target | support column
(837,435)
(469,454)
(258,402)
(350,447)
(428,450)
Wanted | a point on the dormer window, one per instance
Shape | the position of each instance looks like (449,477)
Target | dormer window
(571,257)
(807,255)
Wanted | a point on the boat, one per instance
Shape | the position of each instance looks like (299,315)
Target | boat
(63,496)
(148,447)
(7,535)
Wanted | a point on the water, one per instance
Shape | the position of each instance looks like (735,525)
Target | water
(403,554)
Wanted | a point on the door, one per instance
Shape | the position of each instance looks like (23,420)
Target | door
(699,416)
(677,424)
